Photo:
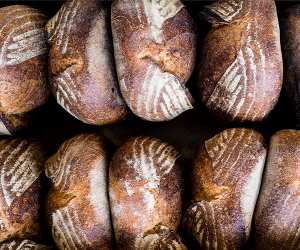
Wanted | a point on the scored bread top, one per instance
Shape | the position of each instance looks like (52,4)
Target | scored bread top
(77,204)
(145,189)
(21,162)
(23,59)
(225,182)
(155,51)
(82,72)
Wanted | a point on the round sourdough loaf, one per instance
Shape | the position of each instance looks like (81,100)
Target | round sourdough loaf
(291,51)
(77,206)
(22,245)
(23,63)
(82,72)
(225,183)
(240,74)
(21,165)
(277,218)
(155,49)
(145,189)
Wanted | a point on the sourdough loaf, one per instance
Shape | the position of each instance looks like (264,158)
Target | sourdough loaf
(145,189)
(240,74)
(225,182)
(291,51)
(77,205)
(277,218)
(82,72)
(23,63)
(22,245)
(155,48)
(21,163)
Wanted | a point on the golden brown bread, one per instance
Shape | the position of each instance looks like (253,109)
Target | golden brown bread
(145,189)
(77,205)
(22,245)
(277,218)
(291,51)
(82,72)
(240,74)
(155,49)
(23,62)
(21,165)
(225,182)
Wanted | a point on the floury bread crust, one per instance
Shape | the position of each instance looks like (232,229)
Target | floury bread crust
(291,51)
(77,206)
(23,64)
(23,245)
(155,50)
(277,219)
(145,189)
(225,182)
(21,165)
(240,75)
(82,72)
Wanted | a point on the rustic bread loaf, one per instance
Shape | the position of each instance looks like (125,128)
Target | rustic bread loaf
(240,74)
(82,72)
(277,218)
(291,51)
(145,189)
(22,245)
(225,182)
(21,164)
(23,62)
(155,48)
(77,205)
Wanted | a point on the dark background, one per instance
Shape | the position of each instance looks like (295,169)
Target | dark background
(52,125)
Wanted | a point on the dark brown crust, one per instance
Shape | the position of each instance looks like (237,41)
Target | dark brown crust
(145,190)
(291,51)
(150,58)
(277,219)
(20,195)
(240,74)
(22,77)
(77,204)
(225,181)
(82,72)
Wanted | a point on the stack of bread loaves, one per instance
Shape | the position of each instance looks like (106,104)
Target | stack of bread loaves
(104,61)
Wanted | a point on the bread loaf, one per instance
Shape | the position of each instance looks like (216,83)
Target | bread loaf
(155,48)
(22,245)
(225,182)
(291,51)
(145,189)
(277,218)
(82,72)
(240,74)
(77,205)
(21,164)
(23,63)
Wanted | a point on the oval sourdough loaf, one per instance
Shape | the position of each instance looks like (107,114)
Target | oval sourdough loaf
(82,72)
(155,48)
(23,63)
(21,165)
(277,218)
(225,182)
(145,189)
(240,74)
(22,245)
(291,51)
(77,205)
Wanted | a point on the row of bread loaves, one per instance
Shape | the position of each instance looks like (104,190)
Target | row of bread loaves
(135,199)
(140,54)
